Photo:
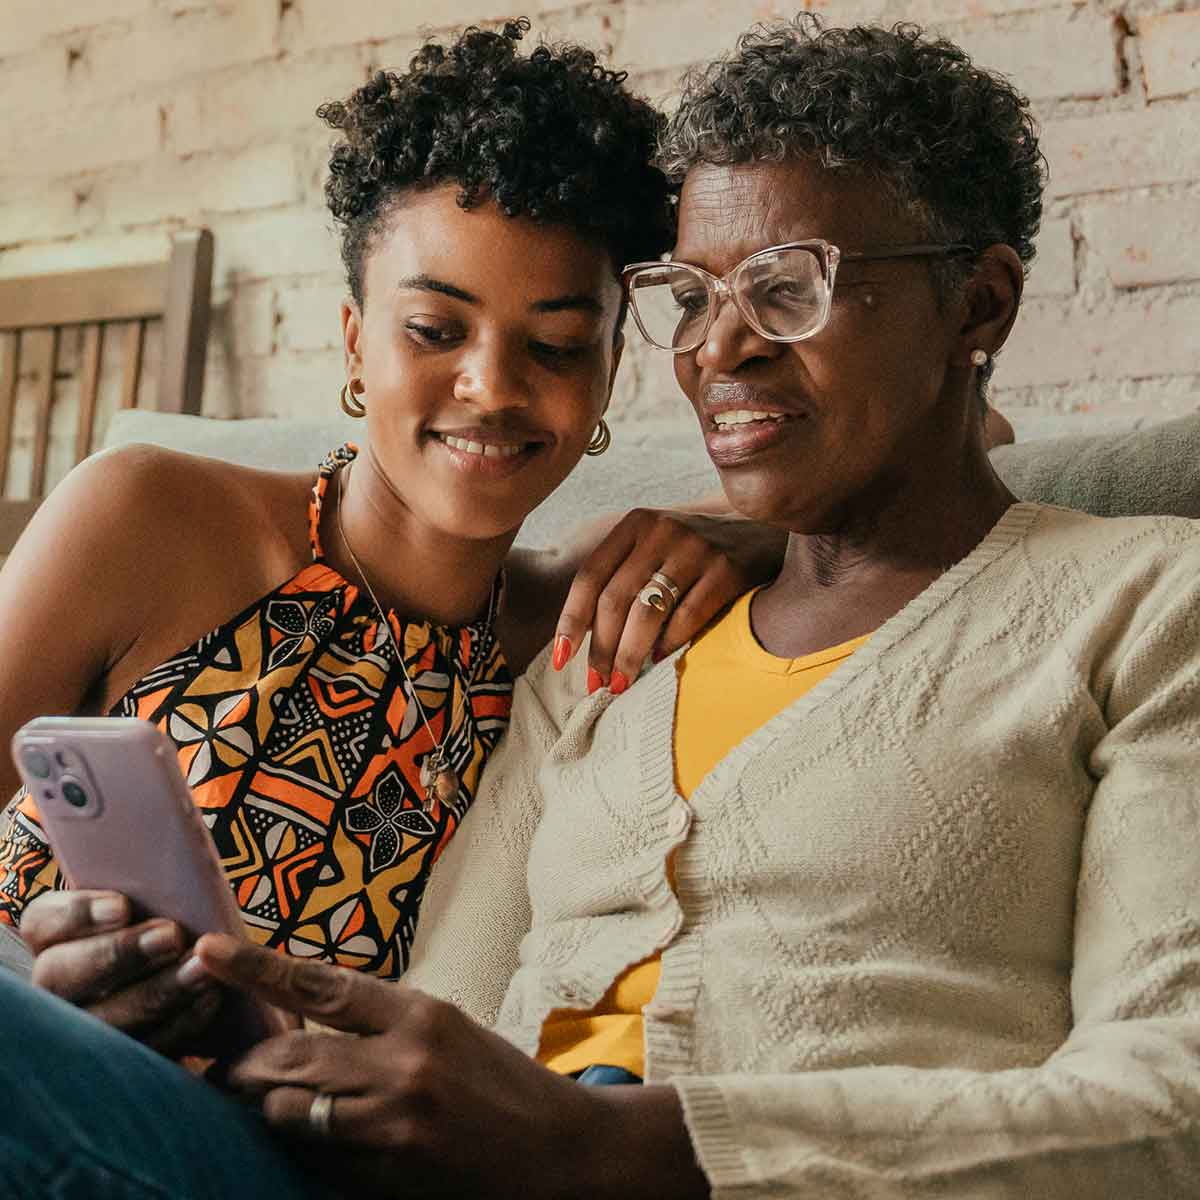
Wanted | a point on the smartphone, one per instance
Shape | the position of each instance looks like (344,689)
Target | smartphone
(119,816)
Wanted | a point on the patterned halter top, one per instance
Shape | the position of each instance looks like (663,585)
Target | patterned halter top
(303,750)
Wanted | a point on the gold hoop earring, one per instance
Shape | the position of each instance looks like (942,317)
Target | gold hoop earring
(352,406)
(601,439)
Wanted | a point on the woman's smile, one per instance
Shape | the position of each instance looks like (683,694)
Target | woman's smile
(736,436)
(487,454)
(740,421)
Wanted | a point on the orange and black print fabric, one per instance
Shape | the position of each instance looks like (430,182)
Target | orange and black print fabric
(303,750)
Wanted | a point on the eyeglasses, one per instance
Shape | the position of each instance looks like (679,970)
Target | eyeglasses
(784,293)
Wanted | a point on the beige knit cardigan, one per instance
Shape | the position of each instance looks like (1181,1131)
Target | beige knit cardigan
(936,929)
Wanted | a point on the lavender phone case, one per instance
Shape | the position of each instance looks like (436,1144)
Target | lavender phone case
(120,817)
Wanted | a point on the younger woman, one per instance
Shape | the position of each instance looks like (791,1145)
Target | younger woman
(327,655)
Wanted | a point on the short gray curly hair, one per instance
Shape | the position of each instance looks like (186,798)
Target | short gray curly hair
(951,144)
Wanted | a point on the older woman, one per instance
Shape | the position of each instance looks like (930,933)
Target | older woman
(886,885)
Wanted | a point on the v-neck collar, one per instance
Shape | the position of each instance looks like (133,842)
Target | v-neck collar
(658,697)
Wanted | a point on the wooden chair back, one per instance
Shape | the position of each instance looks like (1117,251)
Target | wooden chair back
(37,312)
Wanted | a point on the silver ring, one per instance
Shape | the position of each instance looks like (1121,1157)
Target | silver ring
(661,593)
(320,1114)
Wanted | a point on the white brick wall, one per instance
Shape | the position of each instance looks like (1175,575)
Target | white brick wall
(1146,240)
(166,187)
(28,23)
(31,212)
(1116,151)
(269,245)
(275,101)
(1055,54)
(71,141)
(1053,272)
(175,45)
(1131,337)
(125,119)
(308,316)
(1171,53)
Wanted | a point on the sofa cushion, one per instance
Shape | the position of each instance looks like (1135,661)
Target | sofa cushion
(1155,470)
(1152,470)
(650,463)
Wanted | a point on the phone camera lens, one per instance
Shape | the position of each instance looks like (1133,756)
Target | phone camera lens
(38,764)
(73,794)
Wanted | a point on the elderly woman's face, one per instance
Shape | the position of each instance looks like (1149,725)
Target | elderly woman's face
(842,419)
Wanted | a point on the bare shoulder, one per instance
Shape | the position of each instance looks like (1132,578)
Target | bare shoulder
(140,551)
(154,507)
(209,497)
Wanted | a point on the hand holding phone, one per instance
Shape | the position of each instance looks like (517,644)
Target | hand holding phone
(120,817)
(90,951)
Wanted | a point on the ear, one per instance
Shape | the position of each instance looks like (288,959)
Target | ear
(351,337)
(992,297)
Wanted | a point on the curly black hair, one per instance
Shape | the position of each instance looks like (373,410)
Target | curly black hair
(951,144)
(551,135)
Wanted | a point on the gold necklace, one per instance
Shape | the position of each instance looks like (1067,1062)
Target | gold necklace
(438,777)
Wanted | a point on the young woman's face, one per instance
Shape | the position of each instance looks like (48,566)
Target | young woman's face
(486,352)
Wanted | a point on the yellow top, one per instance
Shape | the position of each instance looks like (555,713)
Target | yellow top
(729,686)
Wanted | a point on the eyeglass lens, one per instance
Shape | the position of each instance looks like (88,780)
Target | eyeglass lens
(784,291)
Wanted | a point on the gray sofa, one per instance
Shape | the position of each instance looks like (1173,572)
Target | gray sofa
(1152,470)
(1149,470)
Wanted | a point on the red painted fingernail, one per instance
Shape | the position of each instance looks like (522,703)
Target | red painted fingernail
(618,683)
(657,655)
(562,651)
(595,683)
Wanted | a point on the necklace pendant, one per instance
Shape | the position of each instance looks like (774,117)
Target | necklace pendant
(439,780)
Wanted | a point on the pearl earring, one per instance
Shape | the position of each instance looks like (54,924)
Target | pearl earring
(979,358)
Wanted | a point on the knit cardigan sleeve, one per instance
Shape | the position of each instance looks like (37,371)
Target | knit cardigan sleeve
(476,906)
(1115,1110)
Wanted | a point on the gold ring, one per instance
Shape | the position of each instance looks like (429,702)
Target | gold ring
(320,1114)
(661,593)
(667,582)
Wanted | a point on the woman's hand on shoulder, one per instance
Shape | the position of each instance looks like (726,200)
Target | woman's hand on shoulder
(622,592)
(608,575)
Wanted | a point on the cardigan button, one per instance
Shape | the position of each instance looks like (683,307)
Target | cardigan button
(679,818)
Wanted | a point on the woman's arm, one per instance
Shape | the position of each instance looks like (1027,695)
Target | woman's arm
(426,1099)
(476,907)
(1115,1111)
(94,576)
(65,603)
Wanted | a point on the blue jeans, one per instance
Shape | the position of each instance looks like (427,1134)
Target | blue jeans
(90,1114)
(605,1076)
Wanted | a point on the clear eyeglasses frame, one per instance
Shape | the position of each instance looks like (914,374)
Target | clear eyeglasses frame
(784,293)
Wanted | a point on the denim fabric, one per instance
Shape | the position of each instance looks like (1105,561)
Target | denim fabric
(91,1114)
(602,1075)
